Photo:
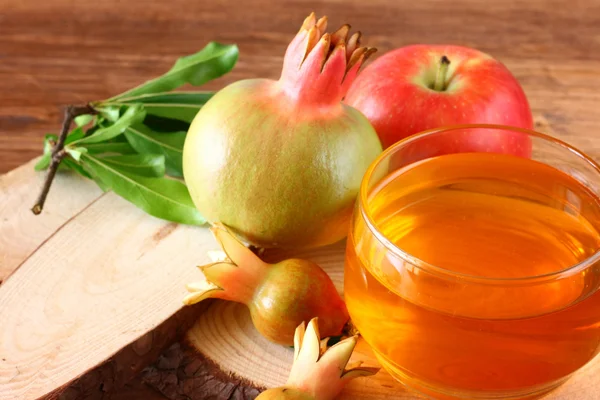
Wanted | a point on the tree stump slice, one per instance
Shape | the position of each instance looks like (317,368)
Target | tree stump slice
(224,336)
(94,288)
(21,232)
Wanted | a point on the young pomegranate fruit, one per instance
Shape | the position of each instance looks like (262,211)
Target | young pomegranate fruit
(280,296)
(317,373)
(280,162)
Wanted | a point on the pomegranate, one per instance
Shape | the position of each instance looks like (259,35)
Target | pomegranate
(280,162)
(318,374)
(280,296)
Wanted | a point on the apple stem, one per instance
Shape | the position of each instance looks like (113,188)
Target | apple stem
(440,78)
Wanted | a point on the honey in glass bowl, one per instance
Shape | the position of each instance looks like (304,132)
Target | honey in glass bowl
(475,275)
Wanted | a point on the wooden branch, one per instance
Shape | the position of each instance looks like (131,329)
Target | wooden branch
(58,152)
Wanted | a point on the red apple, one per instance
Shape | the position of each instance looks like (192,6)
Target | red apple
(420,87)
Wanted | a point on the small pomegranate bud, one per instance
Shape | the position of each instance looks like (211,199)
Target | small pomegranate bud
(318,373)
(280,296)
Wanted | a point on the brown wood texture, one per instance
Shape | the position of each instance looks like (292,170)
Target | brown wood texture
(57,52)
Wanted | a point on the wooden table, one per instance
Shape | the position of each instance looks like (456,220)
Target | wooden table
(57,52)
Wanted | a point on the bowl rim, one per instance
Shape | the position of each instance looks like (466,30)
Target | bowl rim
(453,275)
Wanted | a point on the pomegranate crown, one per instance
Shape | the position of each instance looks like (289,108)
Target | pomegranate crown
(320,371)
(319,67)
(234,273)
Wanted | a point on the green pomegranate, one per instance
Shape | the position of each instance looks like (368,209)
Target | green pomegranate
(279,296)
(280,162)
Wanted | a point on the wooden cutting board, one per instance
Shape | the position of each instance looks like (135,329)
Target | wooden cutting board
(92,294)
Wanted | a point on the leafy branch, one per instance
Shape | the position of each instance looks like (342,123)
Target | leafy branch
(58,153)
(132,143)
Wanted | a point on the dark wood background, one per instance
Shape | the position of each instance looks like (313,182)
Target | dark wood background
(56,52)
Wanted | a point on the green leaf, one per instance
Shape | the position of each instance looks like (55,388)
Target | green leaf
(44,161)
(74,135)
(111,148)
(152,165)
(175,111)
(133,115)
(117,139)
(182,106)
(109,113)
(71,164)
(144,140)
(163,198)
(161,124)
(94,127)
(75,152)
(211,62)
(82,120)
(182,98)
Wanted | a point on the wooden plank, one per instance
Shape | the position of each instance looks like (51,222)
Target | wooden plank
(21,232)
(109,276)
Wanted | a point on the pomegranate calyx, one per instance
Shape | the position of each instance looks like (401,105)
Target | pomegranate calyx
(199,291)
(352,44)
(319,67)
(313,37)
(311,21)
(359,56)
(341,35)
(323,372)
(234,274)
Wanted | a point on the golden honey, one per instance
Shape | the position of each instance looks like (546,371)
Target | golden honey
(472,302)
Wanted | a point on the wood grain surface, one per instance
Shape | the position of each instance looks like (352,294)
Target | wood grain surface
(57,52)
(22,232)
(94,289)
